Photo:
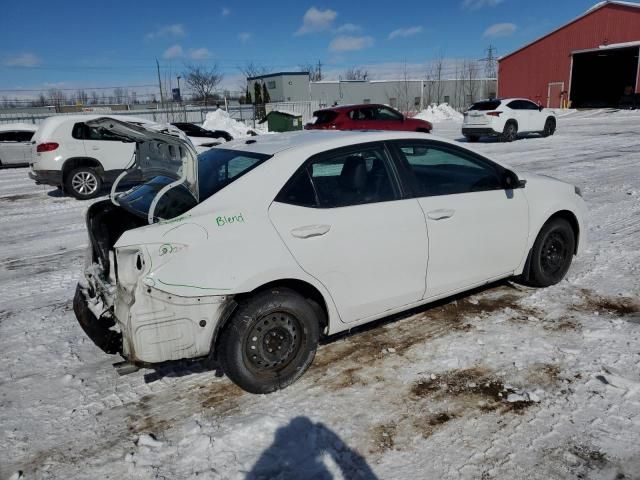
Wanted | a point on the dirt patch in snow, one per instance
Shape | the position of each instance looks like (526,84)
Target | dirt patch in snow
(475,386)
(594,302)
(150,415)
(396,335)
(427,426)
(383,437)
(23,196)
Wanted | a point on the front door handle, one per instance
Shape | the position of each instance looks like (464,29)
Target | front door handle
(440,214)
(309,231)
(95,148)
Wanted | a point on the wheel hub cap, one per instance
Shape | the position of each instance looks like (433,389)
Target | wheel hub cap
(273,341)
(554,253)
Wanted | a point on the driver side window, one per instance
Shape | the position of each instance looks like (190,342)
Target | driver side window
(442,170)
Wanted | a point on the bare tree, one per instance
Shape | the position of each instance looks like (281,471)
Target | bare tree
(401,93)
(95,99)
(82,97)
(435,76)
(202,80)
(315,74)
(356,74)
(56,97)
(470,72)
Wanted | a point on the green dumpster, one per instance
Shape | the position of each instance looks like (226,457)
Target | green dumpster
(279,121)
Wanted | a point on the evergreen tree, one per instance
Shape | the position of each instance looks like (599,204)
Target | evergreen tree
(266,98)
(257,93)
(247,96)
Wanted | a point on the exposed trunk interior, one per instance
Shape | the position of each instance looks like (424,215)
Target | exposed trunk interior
(601,78)
(106,223)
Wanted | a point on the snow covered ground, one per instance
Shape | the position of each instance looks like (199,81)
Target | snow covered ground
(423,395)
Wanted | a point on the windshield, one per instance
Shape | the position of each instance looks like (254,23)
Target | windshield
(217,168)
(324,116)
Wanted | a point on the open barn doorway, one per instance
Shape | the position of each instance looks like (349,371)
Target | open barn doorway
(601,78)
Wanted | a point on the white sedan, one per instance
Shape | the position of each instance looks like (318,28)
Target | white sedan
(507,118)
(251,252)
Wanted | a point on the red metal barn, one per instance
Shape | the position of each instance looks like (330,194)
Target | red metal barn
(591,61)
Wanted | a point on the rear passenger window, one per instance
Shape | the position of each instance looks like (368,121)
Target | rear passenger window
(24,136)
(82,131)
(350,179)
(440,170)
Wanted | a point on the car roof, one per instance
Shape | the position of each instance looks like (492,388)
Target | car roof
(50,124)
(341,108)
(12,127)
(320,140)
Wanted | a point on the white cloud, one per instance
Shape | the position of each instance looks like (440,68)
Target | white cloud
(174,30)
(348,43)
(225,12)
(476,4)
(23,60)
(500,30)
(405,32)
(199,54)
(349,28)
(174,51)
(245,36)
(315,20)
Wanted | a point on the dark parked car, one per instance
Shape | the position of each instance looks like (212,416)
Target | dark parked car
(193,130)
(366,117)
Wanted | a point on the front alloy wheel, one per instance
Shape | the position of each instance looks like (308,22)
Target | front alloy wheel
(270,341)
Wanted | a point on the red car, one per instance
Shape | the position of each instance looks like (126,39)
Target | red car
(366,117)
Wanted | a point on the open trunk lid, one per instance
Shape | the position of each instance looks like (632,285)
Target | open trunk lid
(161,151)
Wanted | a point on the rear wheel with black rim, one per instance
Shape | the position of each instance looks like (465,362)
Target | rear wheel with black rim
(552,253)
(549,127)
(270,341)
(510,132)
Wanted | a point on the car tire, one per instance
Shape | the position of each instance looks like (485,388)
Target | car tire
(549,127)
(270,341)
(472,138)
(551,254)
(510,132)
(83,183)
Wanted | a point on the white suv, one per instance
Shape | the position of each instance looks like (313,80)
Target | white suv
(80,159)
(249,252)
(507,118)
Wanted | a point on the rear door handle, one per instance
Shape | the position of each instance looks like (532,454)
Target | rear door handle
(309,231)
(95,148)
(440,214)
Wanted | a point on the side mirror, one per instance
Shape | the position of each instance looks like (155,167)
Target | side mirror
(540,108)
(510,180)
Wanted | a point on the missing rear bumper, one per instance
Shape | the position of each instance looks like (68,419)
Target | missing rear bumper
(97,329)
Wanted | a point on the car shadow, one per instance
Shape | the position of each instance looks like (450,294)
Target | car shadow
(181,368)
(300,450)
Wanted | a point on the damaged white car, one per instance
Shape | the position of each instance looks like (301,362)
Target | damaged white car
(248,253)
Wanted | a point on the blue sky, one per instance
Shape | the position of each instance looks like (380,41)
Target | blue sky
(74,44)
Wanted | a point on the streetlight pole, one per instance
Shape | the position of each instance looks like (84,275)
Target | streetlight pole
(179,92)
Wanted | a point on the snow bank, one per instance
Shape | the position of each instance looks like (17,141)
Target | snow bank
(221,120)
(439,113)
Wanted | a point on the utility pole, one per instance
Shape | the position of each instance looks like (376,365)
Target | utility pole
(160,85)
(490,69)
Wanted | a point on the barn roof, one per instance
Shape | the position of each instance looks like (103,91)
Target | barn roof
(591,10)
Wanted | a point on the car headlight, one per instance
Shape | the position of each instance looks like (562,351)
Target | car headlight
(578,191)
